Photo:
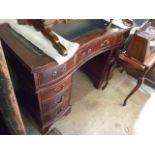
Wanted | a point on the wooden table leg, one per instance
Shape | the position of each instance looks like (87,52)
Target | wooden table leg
(139,83)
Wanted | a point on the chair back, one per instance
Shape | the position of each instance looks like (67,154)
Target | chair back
(138,47)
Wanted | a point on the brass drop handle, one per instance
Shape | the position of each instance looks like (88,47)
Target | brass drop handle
(60,101)
(64,68)
(89,51)
(60,88)
(84,54)
(60,110)
(105,42)
(54,74)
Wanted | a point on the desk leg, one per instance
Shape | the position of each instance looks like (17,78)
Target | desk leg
(109,65)
(139,83)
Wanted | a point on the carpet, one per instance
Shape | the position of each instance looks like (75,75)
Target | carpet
(101,111)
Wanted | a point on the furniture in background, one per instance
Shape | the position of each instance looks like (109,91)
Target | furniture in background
(45,86)
(8,104)
(139,58)
(141,25)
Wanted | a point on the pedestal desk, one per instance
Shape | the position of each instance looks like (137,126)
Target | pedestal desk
(44,85)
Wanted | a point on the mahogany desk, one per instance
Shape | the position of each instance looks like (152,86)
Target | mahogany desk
(46,86)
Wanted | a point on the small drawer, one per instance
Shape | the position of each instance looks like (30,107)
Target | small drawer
(55,89)
(50,75)
(56,101)
(56,113)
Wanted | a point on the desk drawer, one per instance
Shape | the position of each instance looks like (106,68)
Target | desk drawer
(56,113)
(109,42)
(97,45)
(55,89)
(50,75)
(52,111)
(56,101)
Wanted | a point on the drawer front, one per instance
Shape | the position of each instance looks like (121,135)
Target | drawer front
(56,101)
(55,89)
(56,113)
(96,46)
(50,75)
(109,42)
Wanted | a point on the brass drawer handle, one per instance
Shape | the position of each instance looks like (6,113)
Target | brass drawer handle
(60,110)
(60,101)
(84,54)
(105,42)
(60,88)
(64,68)
(62,107)
(89,50)
(54,73)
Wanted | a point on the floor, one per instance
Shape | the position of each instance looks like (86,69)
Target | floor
(100,111)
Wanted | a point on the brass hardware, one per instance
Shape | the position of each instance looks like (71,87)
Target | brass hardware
(105,42)
(59,111)
(84,54)
(54,73)
(59,89)
(64,68)
(75,58)
(61,100)
(62,86)
(60,107)
(89,50)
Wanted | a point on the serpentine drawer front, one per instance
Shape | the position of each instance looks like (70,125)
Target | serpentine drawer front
(50,75)
(55,101)
(52,117)
(49,92)
(61,106)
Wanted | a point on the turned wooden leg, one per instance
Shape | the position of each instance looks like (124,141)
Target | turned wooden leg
(139,83)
